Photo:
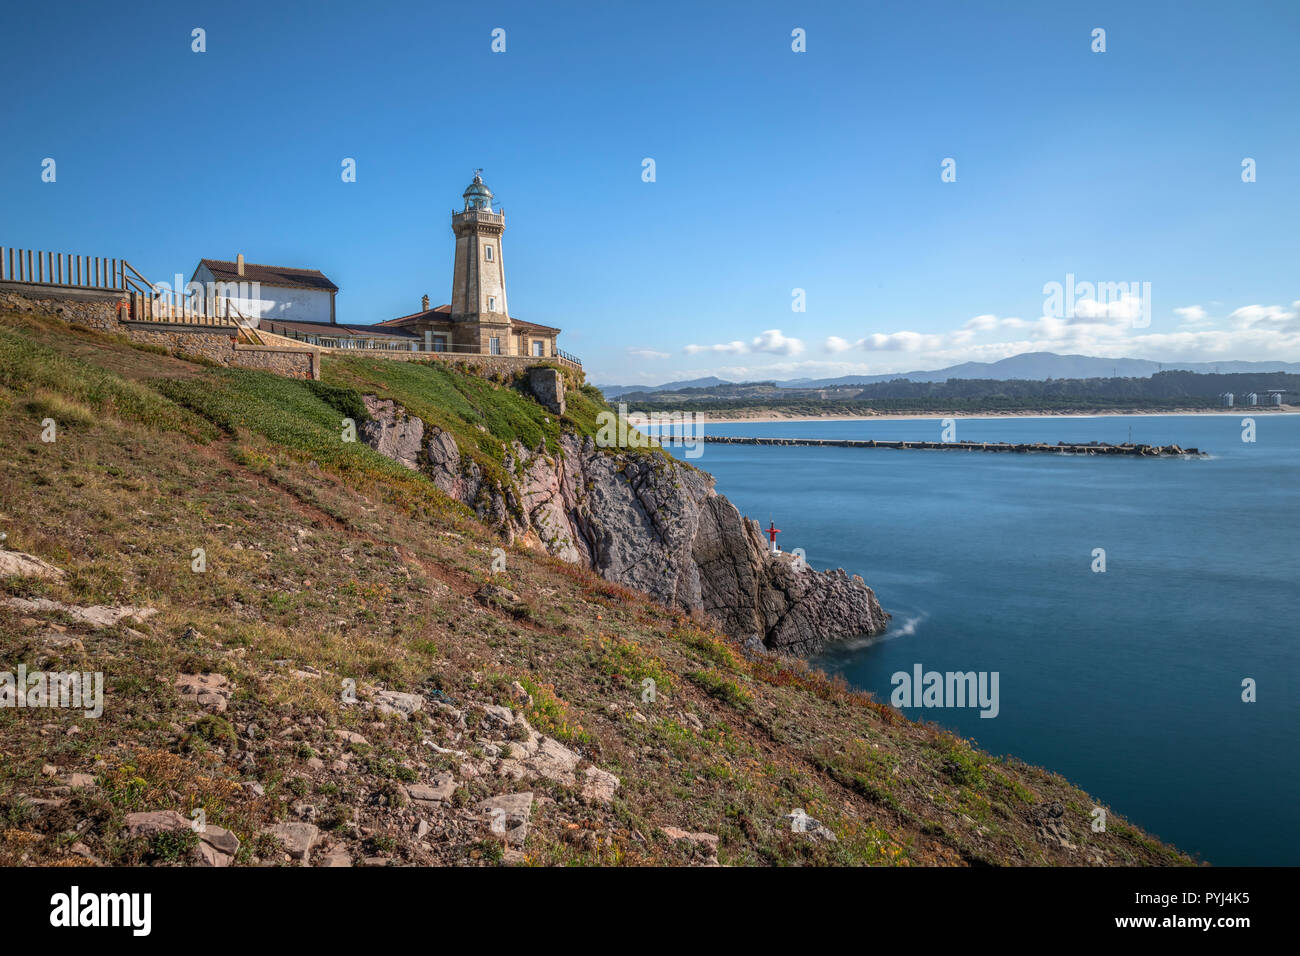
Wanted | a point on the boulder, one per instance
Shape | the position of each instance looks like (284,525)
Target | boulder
(148,823)
(393,702)
(704,845)
(96,615)
(16,564)
(209,691)
(337,856)
(298,838)
(392,432)
(547,386)
(598,786)
(439,790)
(507,816)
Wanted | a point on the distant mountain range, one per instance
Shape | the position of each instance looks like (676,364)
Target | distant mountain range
(1028,365)
(613,391)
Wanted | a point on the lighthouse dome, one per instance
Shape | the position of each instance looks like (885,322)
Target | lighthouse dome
(477,195)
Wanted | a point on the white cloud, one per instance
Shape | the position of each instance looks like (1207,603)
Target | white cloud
(735,348)
(1118,311)
(902,342)
(772,341)
(1250,333)
(1266,316)
(988,323)
(834,343)
(981,323)
(648,354)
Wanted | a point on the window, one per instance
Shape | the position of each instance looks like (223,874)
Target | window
(440,343)
(494,345)
(487,253)
(492,303)
(539,349)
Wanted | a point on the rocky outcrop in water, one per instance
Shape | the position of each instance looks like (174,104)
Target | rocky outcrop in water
(646,521)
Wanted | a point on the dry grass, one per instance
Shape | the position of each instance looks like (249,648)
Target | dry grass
(338,570)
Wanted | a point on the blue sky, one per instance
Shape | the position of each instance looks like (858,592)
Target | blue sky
(775,170)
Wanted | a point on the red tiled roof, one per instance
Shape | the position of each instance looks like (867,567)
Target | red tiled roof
(441,312)
(532,326)
(268,275)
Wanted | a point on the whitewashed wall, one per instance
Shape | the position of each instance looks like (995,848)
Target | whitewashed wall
(275,302)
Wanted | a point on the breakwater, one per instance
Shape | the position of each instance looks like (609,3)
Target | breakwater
(1060,448)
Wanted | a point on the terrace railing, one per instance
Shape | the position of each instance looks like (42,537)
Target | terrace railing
(362,343)
(150,303)
(59,270)
(38,267)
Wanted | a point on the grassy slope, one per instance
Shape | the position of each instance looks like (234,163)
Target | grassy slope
(326,555)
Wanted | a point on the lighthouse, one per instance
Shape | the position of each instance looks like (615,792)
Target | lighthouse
(478,289)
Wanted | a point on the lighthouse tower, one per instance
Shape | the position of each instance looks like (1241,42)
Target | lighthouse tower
(479,316)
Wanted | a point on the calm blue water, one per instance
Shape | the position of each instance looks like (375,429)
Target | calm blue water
(1127,682)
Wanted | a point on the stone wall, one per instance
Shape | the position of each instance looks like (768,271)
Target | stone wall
(547,385)
(84,307)
(290,364)
(100,310)
(215,346)
(478,364)
(221,347)
(105,311)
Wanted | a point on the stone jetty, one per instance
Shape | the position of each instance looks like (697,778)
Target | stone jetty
(1060,448)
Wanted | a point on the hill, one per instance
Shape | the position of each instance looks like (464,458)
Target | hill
(1164,391)
(1027,365)
(337,662)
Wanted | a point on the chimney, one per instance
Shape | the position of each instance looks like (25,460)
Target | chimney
(239,264)
(424,304)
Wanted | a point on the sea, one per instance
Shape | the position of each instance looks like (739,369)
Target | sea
(1163,679)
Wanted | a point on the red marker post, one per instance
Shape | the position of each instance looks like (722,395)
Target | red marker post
(772,532)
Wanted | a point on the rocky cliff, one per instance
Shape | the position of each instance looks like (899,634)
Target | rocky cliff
(645,521)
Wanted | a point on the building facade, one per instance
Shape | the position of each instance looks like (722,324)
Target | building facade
(266,292)
(298,304)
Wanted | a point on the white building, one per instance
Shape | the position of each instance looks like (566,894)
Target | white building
(269,292)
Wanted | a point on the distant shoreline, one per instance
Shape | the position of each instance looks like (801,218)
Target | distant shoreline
(763,417)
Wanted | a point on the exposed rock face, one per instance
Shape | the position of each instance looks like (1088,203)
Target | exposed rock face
(97,615)
(391,432)
(648,522)
(547,384)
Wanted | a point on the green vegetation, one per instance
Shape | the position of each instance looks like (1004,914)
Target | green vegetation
(722,687)
(633,663)
(75,392)
(481,414)
(170,846)
(328,562)
(551,715)
(303,418)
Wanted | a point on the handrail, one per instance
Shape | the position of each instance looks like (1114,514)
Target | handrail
(137,274)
